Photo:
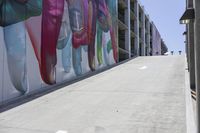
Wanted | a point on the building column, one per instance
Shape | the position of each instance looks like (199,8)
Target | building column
(148,37)
(187,47)
(197,59)
(136,28)
(191,55)
(128,32)
(143,32)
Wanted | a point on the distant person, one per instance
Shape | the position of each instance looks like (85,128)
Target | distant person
(180,52)
(172,52)
(157,53)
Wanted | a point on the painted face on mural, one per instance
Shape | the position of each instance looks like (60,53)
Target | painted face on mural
(76,18)
(14,11)
(103,15)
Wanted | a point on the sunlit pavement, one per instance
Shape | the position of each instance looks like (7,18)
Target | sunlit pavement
(144,95)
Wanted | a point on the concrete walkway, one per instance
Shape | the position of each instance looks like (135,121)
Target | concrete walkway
(145,95)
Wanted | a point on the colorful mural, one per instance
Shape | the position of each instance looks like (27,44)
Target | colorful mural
(61,39)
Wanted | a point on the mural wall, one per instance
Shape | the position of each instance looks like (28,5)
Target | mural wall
(46,42)
(156,41)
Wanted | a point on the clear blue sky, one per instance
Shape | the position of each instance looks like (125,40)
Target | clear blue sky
(166,14)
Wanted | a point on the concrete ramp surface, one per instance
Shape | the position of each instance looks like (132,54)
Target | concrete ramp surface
(144,95)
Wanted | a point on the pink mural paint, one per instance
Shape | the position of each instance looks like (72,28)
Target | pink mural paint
(35,35)
(51,23)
